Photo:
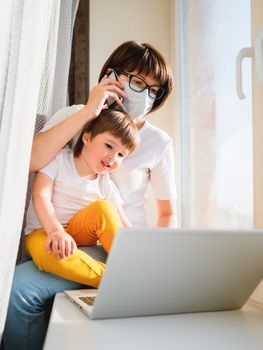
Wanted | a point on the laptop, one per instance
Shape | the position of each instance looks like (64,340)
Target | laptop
(157,271)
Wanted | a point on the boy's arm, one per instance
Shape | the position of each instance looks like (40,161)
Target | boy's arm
(58,241)
(114,197)
(47,144)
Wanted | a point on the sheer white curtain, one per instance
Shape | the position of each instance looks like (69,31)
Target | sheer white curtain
(32,36)
(53,90)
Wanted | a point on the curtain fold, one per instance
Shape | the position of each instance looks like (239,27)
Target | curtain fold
(54,81)
(27,27)
(78,86)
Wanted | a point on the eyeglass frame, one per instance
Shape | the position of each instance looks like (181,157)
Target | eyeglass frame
(160,91)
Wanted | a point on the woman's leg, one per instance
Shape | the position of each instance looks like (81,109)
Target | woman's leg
(26,321)
(97,221)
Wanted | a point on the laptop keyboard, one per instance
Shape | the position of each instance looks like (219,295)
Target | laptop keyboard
(88,300)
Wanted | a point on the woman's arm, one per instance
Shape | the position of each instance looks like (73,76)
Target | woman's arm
(58,241)
(165,212)
(47,144)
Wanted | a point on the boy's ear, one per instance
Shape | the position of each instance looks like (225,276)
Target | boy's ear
(86,138)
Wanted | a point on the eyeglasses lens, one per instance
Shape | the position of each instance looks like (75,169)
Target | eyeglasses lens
(139,85)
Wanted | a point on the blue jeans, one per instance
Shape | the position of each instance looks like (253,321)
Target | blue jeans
(26,322)
(27,318)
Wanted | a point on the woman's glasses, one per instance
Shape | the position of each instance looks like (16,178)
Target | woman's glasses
(137,84)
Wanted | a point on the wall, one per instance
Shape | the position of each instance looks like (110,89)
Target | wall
(114,22)
(257,20)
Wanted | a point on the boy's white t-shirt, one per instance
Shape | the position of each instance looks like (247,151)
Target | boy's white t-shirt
(72,192)
(151,163)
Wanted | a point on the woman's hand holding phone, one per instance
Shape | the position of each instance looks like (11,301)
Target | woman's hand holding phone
(108,90)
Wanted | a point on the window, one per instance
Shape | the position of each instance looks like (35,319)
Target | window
(217,187)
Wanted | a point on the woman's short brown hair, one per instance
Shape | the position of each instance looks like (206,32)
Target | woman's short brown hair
(144,59)
(117,123)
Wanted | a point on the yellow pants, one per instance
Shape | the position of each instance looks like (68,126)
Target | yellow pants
(97,221)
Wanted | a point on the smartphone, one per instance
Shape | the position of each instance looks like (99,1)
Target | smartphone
(110,101)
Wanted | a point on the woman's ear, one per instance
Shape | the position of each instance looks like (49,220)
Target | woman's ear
(86,138)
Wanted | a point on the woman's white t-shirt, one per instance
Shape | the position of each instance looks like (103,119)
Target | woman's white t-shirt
(72,192)
(151,163)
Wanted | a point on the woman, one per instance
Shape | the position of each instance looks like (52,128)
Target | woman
(137,79)
(142,66)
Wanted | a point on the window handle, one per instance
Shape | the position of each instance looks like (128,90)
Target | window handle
(250,52)
(245,52)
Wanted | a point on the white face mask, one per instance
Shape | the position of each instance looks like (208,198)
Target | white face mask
(137,104)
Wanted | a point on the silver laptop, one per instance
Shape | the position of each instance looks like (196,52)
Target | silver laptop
(166,271)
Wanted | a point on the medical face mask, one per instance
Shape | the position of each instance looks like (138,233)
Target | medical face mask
(137,104)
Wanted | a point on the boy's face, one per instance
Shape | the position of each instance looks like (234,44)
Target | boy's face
(104,153)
